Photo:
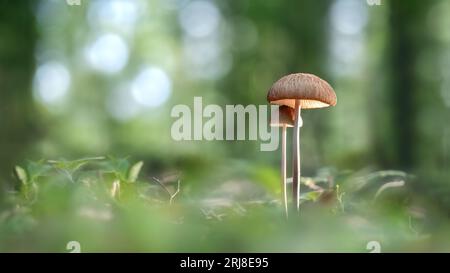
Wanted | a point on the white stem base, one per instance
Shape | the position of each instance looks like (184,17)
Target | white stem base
(283,170)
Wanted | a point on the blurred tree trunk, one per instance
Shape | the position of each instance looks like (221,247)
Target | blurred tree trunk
(291,39)
(18,34)
(396,136)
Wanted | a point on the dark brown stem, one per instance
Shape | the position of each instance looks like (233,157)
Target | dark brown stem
(296,158)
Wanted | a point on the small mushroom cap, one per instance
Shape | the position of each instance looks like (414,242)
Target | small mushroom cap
(285,117)
(312,91)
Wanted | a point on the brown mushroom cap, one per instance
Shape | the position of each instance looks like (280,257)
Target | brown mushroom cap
(285,117)
(312,91)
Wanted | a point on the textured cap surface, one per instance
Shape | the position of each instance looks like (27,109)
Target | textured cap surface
(312,91)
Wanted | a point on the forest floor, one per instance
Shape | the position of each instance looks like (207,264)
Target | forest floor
(105,205)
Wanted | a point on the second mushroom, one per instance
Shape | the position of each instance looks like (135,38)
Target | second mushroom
(285,119)
(300,91)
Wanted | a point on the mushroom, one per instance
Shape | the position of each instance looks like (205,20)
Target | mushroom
(285,119)
(300,91)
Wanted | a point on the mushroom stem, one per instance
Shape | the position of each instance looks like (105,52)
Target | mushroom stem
(283,169)
(296,157)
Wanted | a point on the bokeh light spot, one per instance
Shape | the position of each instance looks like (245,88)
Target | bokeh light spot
(151,87)
(51,82)
(200,18)
(120,14)
(349,16)
(108,54)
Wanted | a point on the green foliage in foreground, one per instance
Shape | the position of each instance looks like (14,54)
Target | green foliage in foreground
(106,205)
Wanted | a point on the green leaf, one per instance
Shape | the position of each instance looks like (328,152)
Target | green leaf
(311,196)
(73,165)
(21,174)
(134,171)
(118,166)
(69,168)
(36,169)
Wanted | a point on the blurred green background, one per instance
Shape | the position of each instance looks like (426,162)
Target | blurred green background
(101,78)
